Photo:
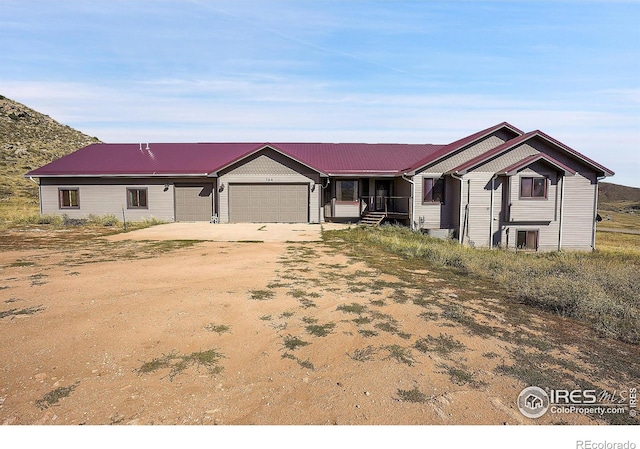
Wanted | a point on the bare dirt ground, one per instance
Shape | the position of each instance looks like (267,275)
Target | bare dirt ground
(123,332)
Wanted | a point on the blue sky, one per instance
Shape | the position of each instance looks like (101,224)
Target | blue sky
(331,71)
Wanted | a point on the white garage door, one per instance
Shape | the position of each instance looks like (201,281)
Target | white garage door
(269,203)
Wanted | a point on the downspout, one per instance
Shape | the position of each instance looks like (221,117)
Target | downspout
(561,214)
(413,190)
(322,187)
(595,213)
(493,186)
(460,236)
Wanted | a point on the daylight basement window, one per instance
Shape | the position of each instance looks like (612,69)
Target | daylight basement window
(433,190)
(347,190)
(69,198)
(528,240)
(533,187)
(137,199)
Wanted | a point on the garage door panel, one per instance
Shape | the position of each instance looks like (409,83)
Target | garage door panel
(194,202)
(269,203)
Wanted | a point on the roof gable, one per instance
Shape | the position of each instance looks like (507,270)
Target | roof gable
(257,150)
(510,144)
(460,144)
(527,161)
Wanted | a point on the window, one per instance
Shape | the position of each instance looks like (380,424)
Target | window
(347,190)
(528,240)
(137,199)
(69,198)
(533,187)
(433,190)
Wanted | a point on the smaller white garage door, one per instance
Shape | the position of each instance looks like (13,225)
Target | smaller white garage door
(269,203)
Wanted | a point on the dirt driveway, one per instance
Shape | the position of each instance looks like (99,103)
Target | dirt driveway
(175,332)
(236,232)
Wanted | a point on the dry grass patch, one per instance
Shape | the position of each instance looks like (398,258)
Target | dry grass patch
(600,288)
(177,363)
(413,395)
(54,396)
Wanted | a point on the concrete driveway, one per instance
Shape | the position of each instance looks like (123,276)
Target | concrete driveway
(236,232)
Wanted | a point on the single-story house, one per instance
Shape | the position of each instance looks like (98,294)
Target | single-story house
(498,187)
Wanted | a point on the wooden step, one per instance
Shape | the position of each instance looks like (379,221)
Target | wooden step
(372,218)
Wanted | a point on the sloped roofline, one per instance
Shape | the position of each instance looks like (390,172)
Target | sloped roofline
(514,168)
(459,144)
(500,149)
(259,148)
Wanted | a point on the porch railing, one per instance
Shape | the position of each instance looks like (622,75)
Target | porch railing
(386,204)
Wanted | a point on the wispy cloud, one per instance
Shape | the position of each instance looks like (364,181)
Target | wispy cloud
(379,71)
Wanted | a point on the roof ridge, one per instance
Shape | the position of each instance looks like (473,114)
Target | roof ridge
(460,143)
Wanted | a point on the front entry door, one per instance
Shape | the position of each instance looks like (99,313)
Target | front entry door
(383,192)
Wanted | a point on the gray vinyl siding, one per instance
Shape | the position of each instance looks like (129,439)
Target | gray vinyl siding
(347,210)
(436,215)
(508,159)
(579,213)
(108,197)
(450,215)
(466,154)
(542,215)
(534,209)
(269,167)
(512,213)
(478,193)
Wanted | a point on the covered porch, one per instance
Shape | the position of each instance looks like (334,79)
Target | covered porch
(355,199)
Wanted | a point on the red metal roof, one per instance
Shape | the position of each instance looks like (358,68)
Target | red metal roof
(134,159)
(203,159)
(358,158)
(162,159)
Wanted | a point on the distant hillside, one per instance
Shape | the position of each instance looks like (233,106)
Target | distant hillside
(617,198)
(613,193)
(28,140)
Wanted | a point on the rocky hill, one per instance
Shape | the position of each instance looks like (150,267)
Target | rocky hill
(619,206)
(28,140)
(615,193)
